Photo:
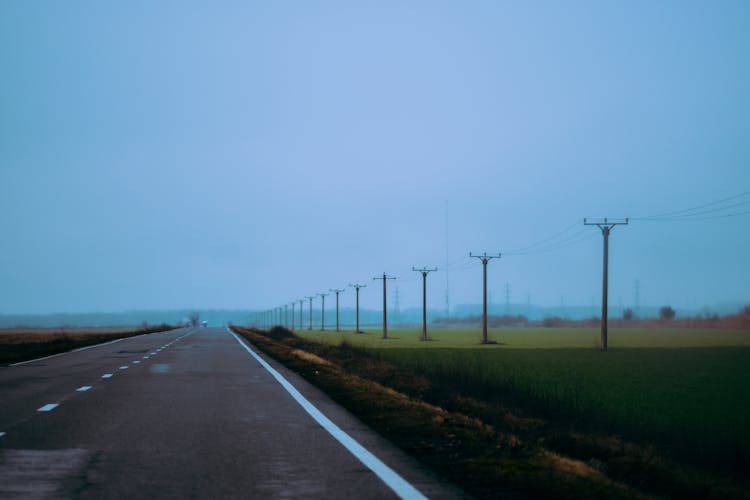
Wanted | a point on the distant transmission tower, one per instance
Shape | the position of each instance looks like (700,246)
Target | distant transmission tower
(301,301)
(605,226)
(447,270)
(507,298)
(637,292)
(397,308)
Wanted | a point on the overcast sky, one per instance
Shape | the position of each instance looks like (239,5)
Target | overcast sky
(246,154)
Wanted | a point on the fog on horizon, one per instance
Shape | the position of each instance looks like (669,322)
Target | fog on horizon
(245,155)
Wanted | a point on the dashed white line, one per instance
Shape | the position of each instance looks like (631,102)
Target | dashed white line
(107,375)
(2,434)
(124,367)
(83,388)
(49,407)
(391,478)
(145,357)
(136,362)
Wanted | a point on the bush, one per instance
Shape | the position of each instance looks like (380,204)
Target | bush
(666,313)
(628,314)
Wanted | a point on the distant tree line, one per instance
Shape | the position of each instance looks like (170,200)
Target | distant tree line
(667,316)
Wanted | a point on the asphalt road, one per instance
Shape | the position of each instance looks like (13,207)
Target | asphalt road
(185,414)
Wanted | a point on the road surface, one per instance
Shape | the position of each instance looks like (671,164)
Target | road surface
(189,413)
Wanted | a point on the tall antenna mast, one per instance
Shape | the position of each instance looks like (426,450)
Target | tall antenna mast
(447,271)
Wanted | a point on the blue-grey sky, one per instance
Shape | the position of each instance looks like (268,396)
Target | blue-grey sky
(246,154)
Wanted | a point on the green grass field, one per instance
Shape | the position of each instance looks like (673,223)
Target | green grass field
(686,389)
(541,338)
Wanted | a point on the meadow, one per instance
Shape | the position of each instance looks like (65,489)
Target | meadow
(685,390)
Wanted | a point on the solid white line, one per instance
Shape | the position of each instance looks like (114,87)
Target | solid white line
(390,477)
(83,388)
(48,407)
(107,375)
(38,359)
(68,352)
(98,345)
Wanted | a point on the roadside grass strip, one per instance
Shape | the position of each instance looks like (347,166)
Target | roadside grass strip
(391,478)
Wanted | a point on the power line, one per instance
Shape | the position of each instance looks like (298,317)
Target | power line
(698,210)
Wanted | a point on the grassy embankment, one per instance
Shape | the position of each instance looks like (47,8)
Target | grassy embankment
(649,414)
(22,344)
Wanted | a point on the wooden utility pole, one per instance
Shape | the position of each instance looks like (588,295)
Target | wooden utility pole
(337,292)
(323,311)
(310,298)
(485,259)
(606,226)
(424,272)
(301,301)
(356,288)
(385,313)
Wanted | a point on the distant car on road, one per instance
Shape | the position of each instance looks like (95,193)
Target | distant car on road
(204,324)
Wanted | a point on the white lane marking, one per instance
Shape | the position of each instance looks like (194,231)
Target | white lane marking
(83,388)
(98,345)
(124,367)
(107,375)
(136,362)
(390,477)
(48,407)
(145,357)
(68,352)
(2,434)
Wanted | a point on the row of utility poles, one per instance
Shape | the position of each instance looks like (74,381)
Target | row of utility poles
(279,316)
